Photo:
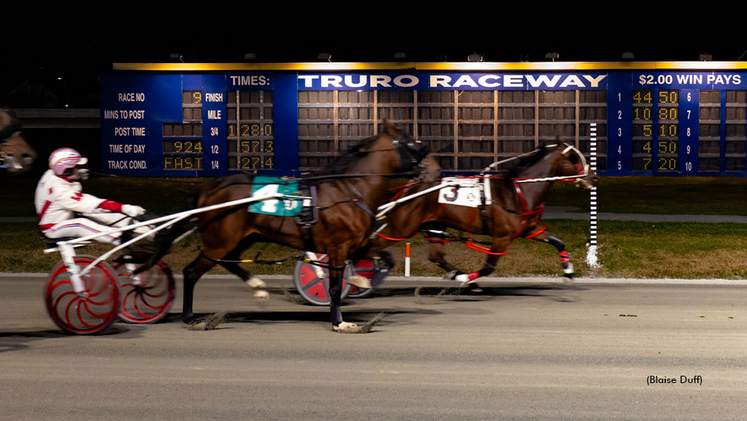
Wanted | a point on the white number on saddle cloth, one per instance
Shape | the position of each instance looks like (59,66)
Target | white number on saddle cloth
(271,205)
(288,207)
(466,193)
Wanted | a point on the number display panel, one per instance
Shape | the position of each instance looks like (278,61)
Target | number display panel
(288,122)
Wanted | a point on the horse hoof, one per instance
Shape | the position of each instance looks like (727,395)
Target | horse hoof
(568,270)
(451,275)
(259,287)
(360,281)
(463,279)
(209,323)
(345,327)
(256,283)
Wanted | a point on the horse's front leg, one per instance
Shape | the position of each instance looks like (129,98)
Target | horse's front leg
(565,259)
(498,248)
(336,263)
(192,273)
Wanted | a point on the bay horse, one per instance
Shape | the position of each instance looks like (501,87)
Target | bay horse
(507,206)
(16,156)
(348,192)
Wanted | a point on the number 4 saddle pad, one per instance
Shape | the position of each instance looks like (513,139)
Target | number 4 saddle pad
(269,186)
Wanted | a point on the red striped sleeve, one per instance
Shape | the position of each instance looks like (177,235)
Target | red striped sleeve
(110,206)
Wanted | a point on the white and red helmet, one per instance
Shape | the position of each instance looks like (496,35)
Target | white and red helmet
(64,159)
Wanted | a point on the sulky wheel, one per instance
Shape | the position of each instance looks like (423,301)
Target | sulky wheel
(91,312)
(148,297)
(315,288)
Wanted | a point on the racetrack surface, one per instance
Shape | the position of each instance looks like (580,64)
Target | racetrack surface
(518,349)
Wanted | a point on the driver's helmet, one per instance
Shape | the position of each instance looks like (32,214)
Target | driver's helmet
(63,160)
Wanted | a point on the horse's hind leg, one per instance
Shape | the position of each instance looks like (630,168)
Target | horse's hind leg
(259,287)
(565,259)
(437,255)
(498,248)
(230,262)
(192,273)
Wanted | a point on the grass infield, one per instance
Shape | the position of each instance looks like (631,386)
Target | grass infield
(626,249)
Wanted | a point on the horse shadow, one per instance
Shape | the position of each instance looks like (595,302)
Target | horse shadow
(560,291)
(22,339)
(363,317)
(364,311)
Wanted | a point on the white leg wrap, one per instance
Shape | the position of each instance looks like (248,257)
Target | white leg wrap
(568,269)
(463,278)
(259,287)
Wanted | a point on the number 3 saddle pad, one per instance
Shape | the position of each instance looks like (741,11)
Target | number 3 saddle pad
(268,186)
(467,193)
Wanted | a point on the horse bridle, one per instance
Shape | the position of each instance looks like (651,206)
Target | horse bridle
(569,148)
(404,146)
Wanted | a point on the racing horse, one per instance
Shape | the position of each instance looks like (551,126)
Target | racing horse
(506,206)
(16,156)
(347,192)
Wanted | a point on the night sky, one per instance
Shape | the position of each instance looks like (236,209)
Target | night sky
(67,57)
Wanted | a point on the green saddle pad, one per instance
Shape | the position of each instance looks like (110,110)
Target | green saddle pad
(267,186)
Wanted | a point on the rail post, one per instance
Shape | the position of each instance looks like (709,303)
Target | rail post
(407,259)
(591,253)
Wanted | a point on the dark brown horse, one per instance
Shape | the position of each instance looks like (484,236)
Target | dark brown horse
(505,206)
(16,156)
(347,193)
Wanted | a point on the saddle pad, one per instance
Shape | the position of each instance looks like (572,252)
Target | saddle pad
(268,186)
(466,193)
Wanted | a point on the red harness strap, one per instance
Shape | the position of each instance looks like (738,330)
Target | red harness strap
(482,249)
(539,231)
(525,216)
(390,238)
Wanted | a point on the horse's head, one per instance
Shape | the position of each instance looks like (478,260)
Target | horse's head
(430,171)
(570,162)
(16,156)
(411,151)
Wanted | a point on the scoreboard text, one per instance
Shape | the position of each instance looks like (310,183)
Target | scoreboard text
(286,120)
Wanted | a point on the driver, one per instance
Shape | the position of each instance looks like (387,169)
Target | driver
(64,211)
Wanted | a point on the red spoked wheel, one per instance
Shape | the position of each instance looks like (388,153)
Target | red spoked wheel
(148,297)
(87,313)
(315,288)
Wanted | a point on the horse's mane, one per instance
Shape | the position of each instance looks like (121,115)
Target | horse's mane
(347,159)
(524,162)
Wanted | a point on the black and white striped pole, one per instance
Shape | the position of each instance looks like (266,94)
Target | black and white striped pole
(591,254)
